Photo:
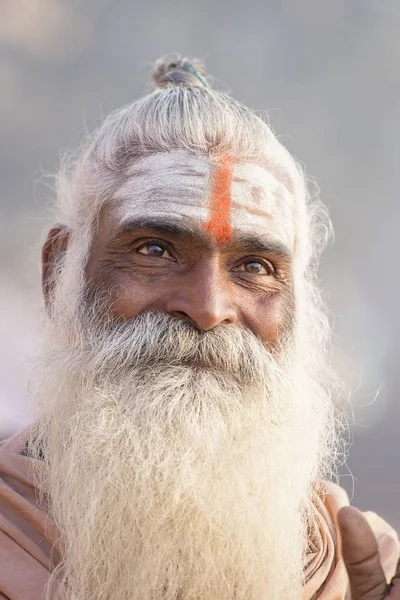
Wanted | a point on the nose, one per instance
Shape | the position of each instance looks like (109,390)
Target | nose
(204,298)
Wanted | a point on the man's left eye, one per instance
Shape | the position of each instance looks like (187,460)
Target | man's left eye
(257,267)
(154,250)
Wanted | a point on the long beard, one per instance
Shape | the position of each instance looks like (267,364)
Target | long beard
(180,464)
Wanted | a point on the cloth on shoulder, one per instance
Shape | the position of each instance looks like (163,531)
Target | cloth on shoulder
(28,539)
(28,550)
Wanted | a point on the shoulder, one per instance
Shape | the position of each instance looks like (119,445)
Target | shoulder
(26,534)
(15,560)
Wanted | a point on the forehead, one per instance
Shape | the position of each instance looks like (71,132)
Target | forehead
(181,185)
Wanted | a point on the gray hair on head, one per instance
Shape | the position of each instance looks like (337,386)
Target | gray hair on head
(174,70)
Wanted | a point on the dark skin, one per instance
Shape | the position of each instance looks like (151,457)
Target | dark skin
(176,267)
(246,282)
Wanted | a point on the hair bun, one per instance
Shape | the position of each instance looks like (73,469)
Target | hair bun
(173,70)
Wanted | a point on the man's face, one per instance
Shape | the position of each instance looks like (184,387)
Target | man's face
(208,242)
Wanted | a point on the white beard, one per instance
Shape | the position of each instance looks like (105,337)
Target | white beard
(181,463)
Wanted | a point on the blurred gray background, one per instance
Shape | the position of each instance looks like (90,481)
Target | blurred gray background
(328,74)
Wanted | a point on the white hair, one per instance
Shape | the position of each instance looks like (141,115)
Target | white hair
(181,464)
(88,382)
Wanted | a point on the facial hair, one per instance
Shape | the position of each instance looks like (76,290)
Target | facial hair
(180,464)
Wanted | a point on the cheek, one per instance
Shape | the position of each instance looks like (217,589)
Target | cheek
(128,298)
(127,302)
(272,318)
(121,295)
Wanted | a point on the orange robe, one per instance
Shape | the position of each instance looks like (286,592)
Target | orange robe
(28,539)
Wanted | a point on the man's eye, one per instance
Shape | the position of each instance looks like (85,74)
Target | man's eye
(257,267)
(155,250)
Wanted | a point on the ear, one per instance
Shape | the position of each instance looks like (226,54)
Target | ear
(53,248)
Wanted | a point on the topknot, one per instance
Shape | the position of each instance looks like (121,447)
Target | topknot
(175,71)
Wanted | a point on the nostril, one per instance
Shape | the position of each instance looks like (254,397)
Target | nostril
(180,314)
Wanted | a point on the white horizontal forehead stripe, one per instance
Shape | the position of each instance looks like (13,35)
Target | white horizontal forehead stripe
(179,184)
(163,162)
(163,182)
(254,174)
(261,202)
(256,188)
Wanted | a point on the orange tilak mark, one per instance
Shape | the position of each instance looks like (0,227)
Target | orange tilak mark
(219,223)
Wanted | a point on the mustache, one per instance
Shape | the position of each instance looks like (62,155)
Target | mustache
(154,339)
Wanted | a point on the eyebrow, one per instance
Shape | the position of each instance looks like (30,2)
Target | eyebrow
(182,229)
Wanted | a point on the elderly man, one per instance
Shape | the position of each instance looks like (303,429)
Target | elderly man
(185,429)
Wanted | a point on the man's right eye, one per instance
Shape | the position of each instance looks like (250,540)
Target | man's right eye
(155,250)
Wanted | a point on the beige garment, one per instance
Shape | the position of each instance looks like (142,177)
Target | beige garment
(27,536)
